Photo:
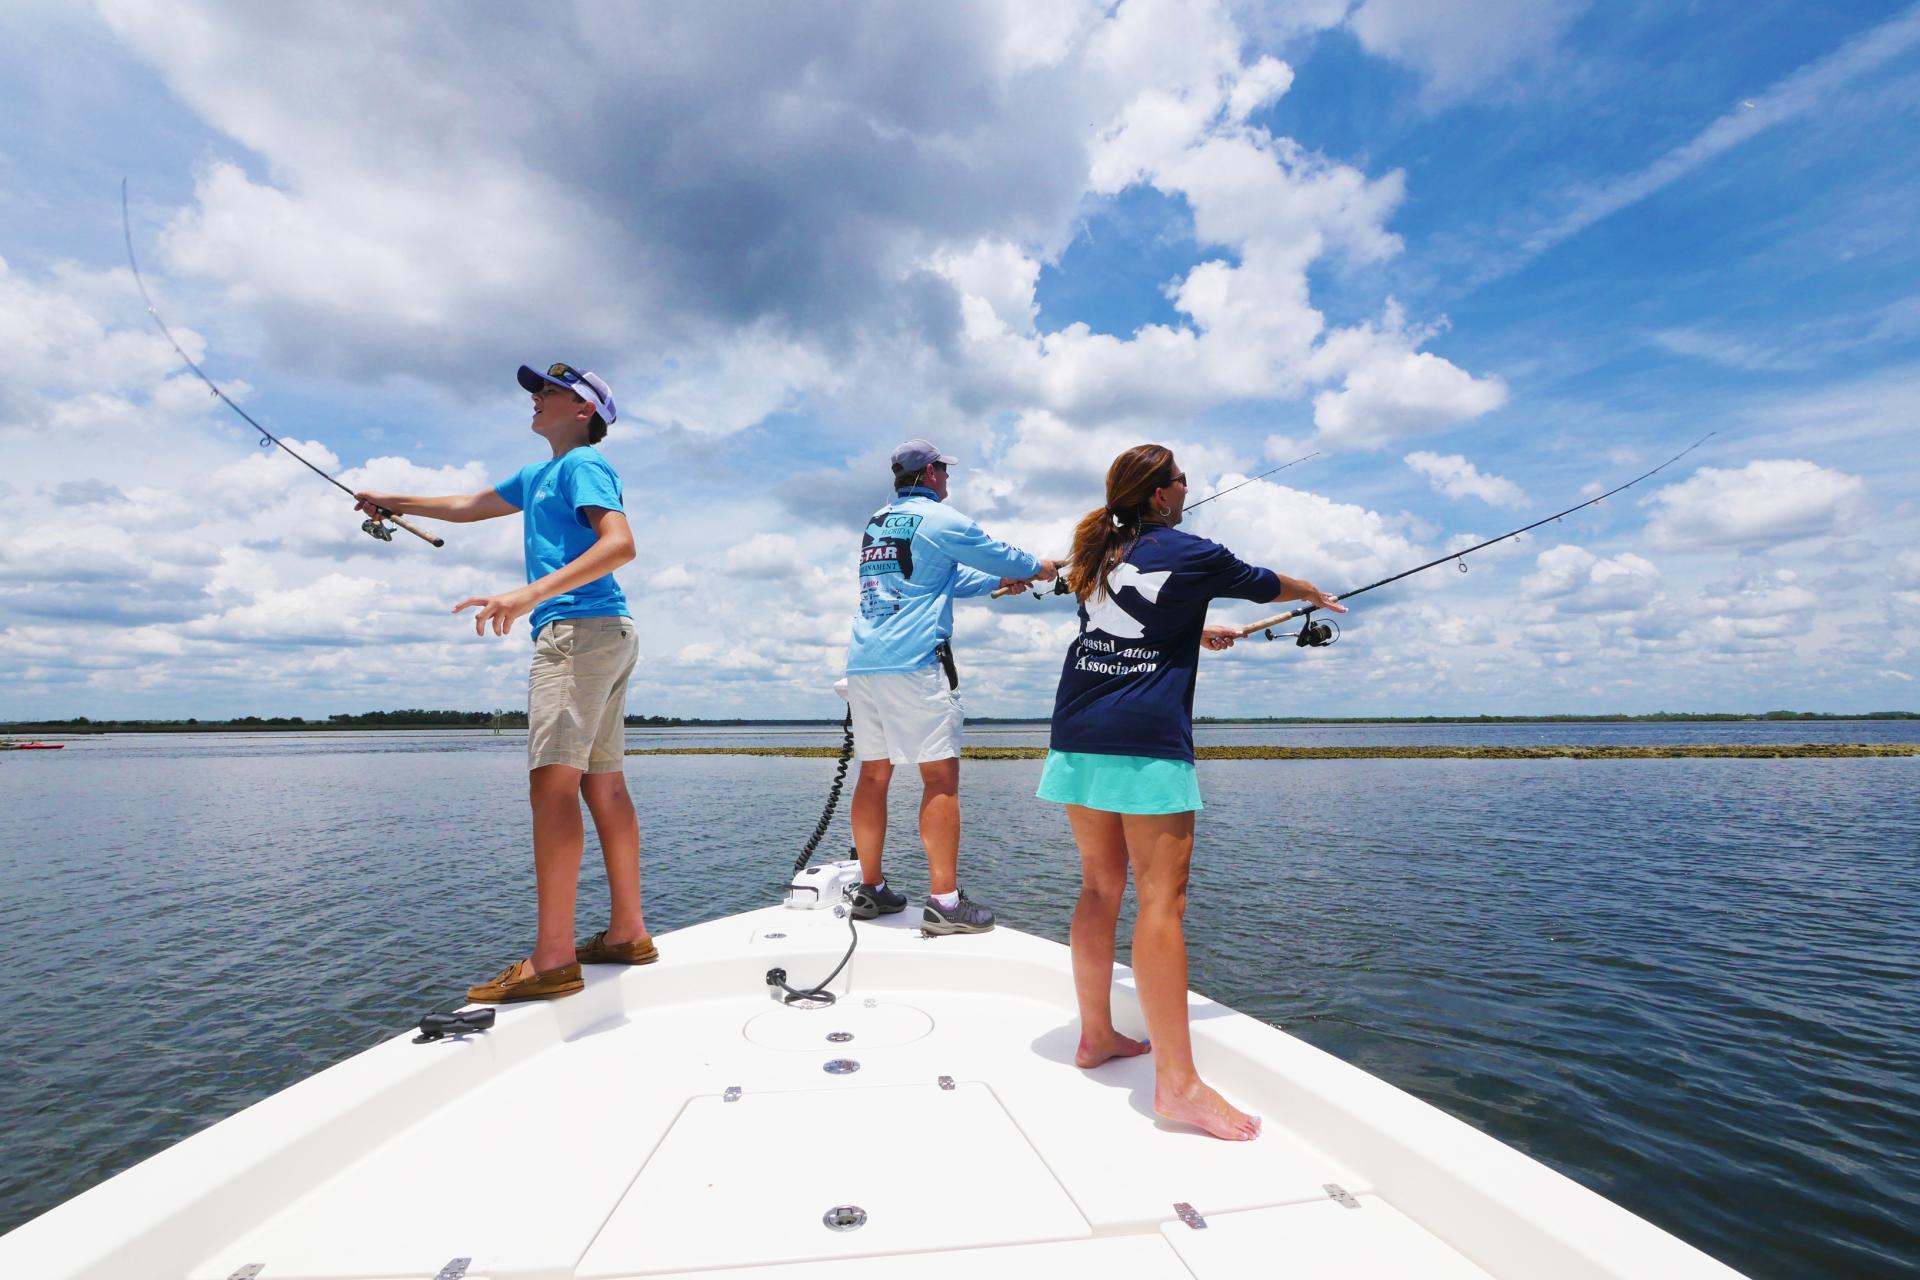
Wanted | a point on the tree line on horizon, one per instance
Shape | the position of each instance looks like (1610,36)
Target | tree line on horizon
(421,718)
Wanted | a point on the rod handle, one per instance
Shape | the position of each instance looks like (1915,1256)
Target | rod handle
(422,535)
(999,592)
(1274,621)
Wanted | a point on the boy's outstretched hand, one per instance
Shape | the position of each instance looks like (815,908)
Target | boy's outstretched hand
(500,610)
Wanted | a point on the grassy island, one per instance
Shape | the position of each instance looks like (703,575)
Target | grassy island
(1709,751)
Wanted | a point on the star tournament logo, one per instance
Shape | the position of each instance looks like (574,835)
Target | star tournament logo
(886,560)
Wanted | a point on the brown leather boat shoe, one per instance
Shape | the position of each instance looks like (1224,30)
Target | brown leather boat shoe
(518,981)
(597,950)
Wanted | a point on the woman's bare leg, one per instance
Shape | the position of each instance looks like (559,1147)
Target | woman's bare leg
(1161,849)
(1103,881)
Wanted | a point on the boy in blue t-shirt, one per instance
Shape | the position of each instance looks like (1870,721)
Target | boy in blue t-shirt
(575,535)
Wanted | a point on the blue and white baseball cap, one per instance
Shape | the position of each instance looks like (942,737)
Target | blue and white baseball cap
(590,387)
(917,455)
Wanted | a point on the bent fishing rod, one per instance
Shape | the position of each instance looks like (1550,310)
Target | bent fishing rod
(1060,588)
(1318,635)
(372,525)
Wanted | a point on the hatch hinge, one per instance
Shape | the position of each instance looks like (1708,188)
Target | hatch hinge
(249,1272)
(1341,1196)
(946,1082)
(1190,1215)
(455,1270)
(732,1094)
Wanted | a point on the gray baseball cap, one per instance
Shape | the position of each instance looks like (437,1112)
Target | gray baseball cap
(917,455)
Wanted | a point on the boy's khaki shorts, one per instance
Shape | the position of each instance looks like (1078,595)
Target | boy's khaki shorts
(577,694)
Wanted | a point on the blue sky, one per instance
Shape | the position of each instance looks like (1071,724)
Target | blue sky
(1486,257)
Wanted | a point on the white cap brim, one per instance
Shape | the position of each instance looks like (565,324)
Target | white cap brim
(592,388)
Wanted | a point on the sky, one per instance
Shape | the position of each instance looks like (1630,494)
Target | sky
(1483,259)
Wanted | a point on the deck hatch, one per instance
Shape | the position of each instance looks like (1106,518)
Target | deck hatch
(743,1184)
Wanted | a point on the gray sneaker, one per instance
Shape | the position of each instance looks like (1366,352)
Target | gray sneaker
(870,901)
(967,916)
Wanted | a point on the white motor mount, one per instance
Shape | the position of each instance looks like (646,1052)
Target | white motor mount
(823,885)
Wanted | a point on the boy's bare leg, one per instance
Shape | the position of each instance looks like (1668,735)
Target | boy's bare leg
(554,790)
(869,816)
(940,823)
(618,827)
(1103,882)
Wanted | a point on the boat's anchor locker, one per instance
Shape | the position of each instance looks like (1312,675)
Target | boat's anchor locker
(743,1183)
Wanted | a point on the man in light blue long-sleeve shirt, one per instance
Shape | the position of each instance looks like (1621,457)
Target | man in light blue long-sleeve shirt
(916,557)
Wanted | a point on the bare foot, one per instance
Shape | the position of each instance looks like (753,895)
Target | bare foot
(1092,1052)
(1202,1108)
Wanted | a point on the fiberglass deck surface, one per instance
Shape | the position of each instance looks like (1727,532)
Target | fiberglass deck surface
(613,1150)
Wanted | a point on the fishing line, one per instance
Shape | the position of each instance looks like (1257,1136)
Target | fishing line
(372,526)
(1318,635)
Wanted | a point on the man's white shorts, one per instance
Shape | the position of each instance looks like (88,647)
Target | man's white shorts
(908,717)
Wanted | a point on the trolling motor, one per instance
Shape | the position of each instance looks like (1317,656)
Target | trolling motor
(824,885)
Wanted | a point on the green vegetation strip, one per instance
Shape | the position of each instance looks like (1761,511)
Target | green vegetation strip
(1742,751)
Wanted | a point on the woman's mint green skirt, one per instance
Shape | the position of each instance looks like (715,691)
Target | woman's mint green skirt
(1120,784)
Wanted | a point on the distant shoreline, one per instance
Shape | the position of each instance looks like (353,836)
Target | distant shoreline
(482,721)
(1673,751)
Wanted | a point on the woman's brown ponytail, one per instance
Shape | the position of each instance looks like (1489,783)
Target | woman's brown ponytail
(1102,535)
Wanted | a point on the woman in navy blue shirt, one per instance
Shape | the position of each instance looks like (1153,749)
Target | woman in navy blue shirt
(1121,759)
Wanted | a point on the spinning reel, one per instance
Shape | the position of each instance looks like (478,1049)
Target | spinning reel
(1311,635)
(373,527)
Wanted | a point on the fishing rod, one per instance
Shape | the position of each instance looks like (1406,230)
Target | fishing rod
(372,525)
(1185,511)
(1318,635)
(1060,588)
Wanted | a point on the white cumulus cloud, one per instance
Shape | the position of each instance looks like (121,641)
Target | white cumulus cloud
(1452,475)
(1764,504)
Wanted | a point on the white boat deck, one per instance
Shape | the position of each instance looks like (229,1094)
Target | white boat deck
(675,1120)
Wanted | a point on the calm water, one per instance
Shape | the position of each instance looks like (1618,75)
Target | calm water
(1693,985)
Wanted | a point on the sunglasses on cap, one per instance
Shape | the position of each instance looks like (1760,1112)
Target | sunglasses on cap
(565,373)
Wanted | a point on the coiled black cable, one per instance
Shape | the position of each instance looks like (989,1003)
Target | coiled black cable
(778,977)
(833,798)
(818,991)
